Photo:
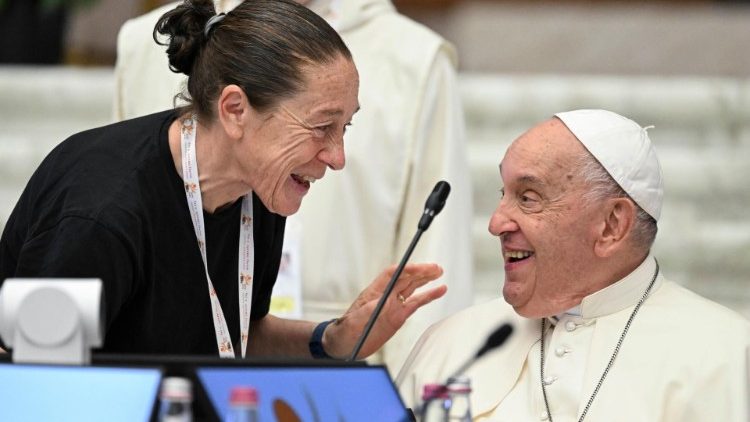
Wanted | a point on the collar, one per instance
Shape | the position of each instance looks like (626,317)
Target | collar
(623,293)
(574,312)
(356,13)
(330,10)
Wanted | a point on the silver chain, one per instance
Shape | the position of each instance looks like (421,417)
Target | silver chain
(611,360)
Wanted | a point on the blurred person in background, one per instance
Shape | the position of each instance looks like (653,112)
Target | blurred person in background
(408,135)
(600,334)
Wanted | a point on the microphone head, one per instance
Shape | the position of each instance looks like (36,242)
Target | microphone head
(435,203)
(496,339)
(436,200)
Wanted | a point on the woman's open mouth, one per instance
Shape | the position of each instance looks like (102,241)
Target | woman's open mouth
(303,181)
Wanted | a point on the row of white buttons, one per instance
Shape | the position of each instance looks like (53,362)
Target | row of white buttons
(561,352)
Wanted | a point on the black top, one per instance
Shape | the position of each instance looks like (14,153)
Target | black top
(109,203)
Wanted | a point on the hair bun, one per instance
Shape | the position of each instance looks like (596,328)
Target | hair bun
(182,31)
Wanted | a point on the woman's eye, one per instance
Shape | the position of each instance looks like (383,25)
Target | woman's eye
(320,131)
(346,126)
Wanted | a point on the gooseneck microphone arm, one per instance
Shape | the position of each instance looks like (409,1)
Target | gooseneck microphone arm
(433,206)
(495,340)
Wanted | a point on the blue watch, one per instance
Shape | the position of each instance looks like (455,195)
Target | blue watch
(316,340)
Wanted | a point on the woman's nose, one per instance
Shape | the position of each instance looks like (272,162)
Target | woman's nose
(333,154)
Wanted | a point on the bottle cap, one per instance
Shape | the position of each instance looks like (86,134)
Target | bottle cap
(243,395)
(434,391)
(176,388)
(459,384)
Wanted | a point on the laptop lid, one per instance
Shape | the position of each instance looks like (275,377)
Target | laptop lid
(77,393)
(312,393)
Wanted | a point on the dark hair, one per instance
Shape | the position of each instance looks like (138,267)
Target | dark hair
(261,46)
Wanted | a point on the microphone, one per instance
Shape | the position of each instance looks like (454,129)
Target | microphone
(495,340)
(435,203)
(433,206)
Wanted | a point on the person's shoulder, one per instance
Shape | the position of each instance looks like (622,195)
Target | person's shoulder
(127,131)
(378,23)
(137,32)
(455,339)
(102,159)
(406,26)
(683,309)
(145,23)
(473,324)
(382,15)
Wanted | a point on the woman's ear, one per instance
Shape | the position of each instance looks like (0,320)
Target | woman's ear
(619,217)
(233,107)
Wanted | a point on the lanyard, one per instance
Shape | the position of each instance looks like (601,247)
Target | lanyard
(246,260)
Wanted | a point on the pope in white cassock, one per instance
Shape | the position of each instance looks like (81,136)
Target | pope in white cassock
(600,334)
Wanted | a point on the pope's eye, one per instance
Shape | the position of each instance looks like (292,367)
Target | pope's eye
(530,201)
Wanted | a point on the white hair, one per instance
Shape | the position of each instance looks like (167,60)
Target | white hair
(603,186)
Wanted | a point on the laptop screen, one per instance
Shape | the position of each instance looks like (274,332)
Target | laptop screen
(77,393)
(312,393)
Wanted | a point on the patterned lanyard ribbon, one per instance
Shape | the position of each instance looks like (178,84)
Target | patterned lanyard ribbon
(246,249)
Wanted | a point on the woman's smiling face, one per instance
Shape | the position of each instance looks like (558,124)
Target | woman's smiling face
(294,142)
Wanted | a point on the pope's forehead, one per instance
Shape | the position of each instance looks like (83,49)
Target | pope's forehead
(548,146)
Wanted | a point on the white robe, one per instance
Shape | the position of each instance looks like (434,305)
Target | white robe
(684,358)
(408,135)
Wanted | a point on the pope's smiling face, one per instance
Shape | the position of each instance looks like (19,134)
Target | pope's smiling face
(546,230)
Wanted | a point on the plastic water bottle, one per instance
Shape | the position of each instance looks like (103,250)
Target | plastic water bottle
(435,403)
(176,400)
(243,405)
(459,391)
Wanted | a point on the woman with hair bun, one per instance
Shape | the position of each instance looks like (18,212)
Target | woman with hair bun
(181,213)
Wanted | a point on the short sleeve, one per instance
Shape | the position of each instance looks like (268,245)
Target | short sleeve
(80,247)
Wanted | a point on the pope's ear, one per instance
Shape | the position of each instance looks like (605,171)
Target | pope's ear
(619,217)
(232,109)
